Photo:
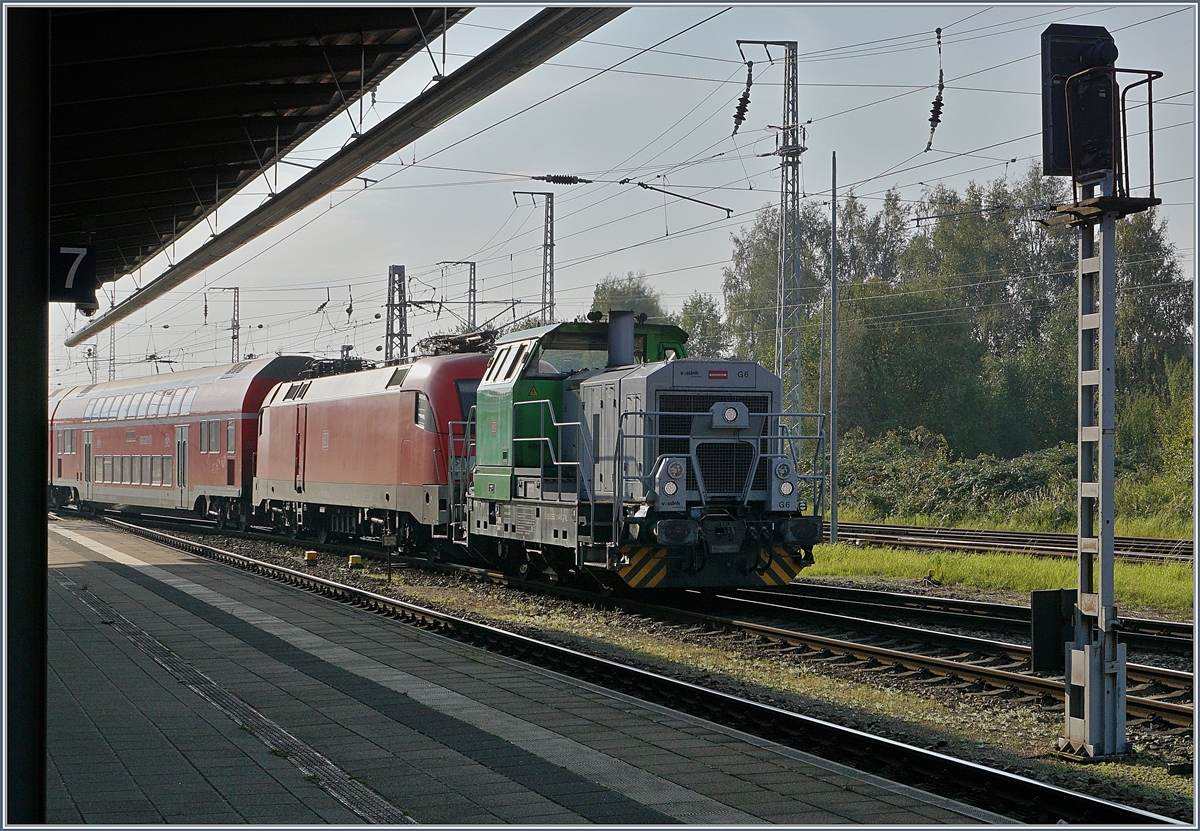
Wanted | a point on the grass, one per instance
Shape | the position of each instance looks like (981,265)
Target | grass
(1163,587)
(1039,517)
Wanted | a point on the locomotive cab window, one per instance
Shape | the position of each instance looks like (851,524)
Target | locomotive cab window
(499,361)
(468,389)
(567,352)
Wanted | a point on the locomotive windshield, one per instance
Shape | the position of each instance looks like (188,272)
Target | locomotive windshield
(566,352)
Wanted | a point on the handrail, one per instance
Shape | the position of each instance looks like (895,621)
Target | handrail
(777,443)
(554,460)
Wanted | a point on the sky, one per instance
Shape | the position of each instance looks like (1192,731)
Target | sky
(650,98)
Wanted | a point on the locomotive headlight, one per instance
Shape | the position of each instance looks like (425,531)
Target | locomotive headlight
(731,414)
(670,488)
(786,488)
(674,470)
(782,471)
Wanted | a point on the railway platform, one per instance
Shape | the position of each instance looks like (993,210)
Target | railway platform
(183,691)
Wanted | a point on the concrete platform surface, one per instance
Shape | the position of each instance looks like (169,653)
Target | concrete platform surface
(182,691)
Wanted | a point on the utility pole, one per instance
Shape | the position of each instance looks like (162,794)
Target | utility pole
(788,308)
(1084,137)
(471,298)
(112,341)
(395,341)
(235,323)
(833,281)
(547,254)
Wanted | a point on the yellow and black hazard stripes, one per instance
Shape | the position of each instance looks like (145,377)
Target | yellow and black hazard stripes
(780,568)
(647,566)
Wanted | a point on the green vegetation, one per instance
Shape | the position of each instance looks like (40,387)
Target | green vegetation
(913,478)
(1163,588)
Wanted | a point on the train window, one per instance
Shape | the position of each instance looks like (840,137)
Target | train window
(572,351)
(494,367)
(155,400)
(91,405)
(166,466)
(135,470)
(214,436)
(424,415)
(135,404)
(108,469)
(105,406)
(126,400)
(144,404)
(146,474)
(204,437)
(176,402)
(58,441)
(156,470)
(397,377)
(70,436)
(98,476)
(468,389)
(518,360)
(60,468)
(187,400)
(229,471)
(164,400)
(230,435)
(291,393)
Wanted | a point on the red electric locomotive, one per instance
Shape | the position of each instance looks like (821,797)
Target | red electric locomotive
(365,454)
(184,441)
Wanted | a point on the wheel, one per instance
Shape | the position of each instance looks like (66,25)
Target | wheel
(243,518)
(322,533)
(221,518)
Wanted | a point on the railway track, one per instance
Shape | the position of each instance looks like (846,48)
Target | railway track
(1166,636)
(1043,544)
(1156,694)
(1018,797)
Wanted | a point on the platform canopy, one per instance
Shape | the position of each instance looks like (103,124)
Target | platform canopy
(159,114)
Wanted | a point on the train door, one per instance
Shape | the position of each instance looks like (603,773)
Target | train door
(86,484)
(301,445)
(181,464)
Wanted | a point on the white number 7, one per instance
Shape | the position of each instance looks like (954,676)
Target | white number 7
(79,253)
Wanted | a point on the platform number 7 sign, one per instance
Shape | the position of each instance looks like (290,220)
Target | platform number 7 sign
(72,274)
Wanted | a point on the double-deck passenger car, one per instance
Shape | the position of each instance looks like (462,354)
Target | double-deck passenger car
(182,441)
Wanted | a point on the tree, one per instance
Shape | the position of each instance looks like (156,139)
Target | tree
(751,283)
(700,317)
(1154,305)
(629,292)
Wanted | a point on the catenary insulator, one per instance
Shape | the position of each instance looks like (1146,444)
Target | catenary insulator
(935,113)
(559,179)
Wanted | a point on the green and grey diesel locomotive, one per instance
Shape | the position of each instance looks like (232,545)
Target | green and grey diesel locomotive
(600,446)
